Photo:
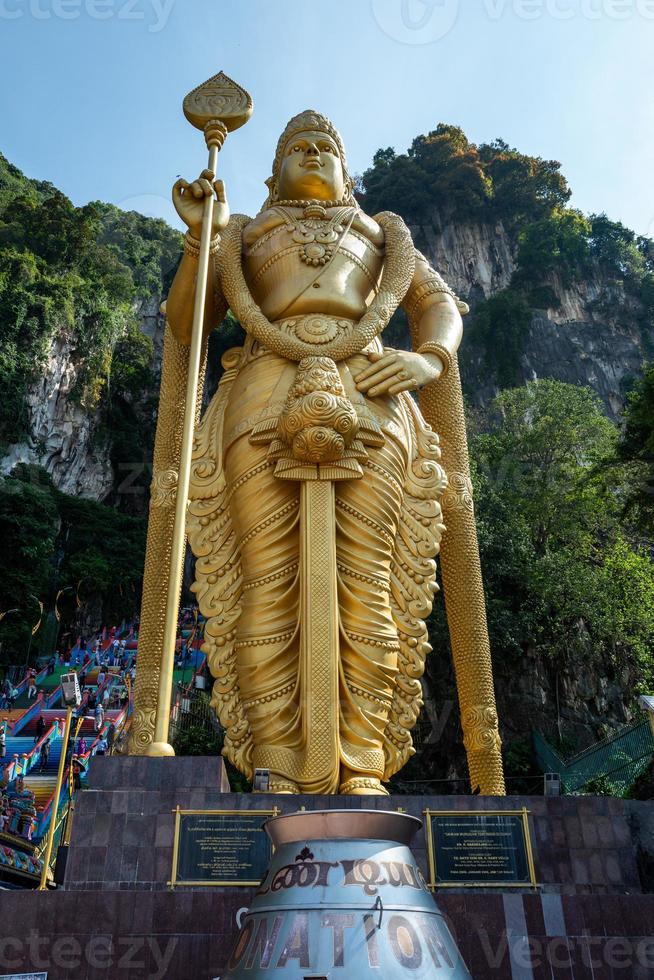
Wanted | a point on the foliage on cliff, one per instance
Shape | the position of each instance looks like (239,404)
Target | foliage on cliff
(569,579)
(78,271)
(637,449)
(444,178)
(82,273)
(444,170)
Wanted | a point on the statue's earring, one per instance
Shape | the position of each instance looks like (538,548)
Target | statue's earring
(271,184)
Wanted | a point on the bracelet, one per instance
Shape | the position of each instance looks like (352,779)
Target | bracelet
(433,347)
(192,245)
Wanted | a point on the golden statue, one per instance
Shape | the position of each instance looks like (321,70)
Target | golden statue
(316,485)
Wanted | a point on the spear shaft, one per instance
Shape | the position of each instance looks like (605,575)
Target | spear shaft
(216,107)
(214,133)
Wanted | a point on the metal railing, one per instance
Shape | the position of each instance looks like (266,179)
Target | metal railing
(616,760)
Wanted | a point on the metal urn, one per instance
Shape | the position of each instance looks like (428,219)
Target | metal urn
(344,897)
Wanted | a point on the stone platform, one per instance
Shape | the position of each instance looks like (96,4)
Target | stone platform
(115,918)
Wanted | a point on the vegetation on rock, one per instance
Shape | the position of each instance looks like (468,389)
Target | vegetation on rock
(443,178)
(564,574)
(81,272)
(637,449)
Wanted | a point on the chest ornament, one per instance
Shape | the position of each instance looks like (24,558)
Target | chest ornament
(338,344)
(317,235)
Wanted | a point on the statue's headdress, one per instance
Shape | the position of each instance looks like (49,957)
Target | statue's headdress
(309,120)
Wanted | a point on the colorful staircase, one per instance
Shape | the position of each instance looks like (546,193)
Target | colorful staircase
(23,754)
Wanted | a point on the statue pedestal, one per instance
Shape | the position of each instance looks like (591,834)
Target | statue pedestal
(116,916)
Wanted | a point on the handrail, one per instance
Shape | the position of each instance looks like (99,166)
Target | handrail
(623,752)
(41,847)
(603,742)
(21,687)
(17,724)
(116,722)
(18,766)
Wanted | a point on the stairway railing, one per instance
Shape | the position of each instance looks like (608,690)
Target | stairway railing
(20,765)
(118,721)
(619,759)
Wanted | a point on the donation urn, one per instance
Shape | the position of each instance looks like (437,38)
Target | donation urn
(344,897)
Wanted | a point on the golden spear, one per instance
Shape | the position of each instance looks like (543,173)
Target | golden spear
(217,107)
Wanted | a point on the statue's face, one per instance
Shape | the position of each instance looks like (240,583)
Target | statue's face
(311,168)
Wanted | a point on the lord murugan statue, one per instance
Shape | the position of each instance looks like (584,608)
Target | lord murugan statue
(319,493)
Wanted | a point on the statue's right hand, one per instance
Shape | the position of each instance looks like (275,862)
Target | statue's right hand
(189,203)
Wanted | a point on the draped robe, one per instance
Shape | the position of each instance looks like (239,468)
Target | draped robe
(244,528)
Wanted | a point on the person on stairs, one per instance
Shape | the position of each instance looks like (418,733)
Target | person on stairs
(40,729)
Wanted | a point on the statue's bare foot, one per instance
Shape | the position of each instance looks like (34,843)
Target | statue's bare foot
(362,786)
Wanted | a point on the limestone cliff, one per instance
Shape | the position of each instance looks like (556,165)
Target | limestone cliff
(590,335)
(70,441)
(80,335)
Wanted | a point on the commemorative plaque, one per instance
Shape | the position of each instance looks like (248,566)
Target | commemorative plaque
(220,847)
(479,849)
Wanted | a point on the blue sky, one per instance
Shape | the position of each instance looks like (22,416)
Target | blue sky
(91,90)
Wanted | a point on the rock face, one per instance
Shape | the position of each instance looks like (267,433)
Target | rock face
(476,260)
(592,336)
(605,356)
(66,439)
(62,431)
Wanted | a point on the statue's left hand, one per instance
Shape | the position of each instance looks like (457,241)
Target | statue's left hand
(397,370)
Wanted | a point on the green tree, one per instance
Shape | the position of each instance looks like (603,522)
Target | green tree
(562,577)
(441,169)
(53,540)
(455,177)
(53,229)
(29,525)
(80,274)
(617,248)
(502,323)
(637,450)
(524,188)
(558,243)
